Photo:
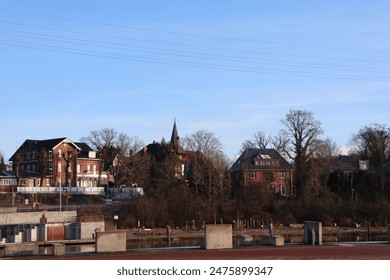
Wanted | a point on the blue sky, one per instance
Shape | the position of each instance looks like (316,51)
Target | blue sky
(229,67)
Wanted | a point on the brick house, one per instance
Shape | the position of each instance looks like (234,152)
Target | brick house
(54,163)
(184,156)
(263,167)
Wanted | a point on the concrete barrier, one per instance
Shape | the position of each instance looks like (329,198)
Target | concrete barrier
(217,237)
(114,241)
(20,249)
(312,233)
(58,249)
(273,240)
(246,240)
(388,233)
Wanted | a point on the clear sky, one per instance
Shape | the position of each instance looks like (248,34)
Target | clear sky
(229,67)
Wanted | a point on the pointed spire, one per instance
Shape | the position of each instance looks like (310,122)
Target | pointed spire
(175,134)
(175,140)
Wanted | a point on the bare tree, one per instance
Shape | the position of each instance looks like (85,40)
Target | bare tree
(204,142)
(373,143)
(321,164)
(208,169)
(302,130)
(113,146)
(2,163)
(122,169)
(261,140)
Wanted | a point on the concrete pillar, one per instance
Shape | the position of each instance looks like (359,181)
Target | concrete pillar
(168,230)
(246,240)
(41,232)
(313,233)
(58,249)
(34,234)
(110,241)
(388,233)
(218,237)
(18,238)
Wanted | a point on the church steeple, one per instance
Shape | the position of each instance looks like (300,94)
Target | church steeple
(175,140)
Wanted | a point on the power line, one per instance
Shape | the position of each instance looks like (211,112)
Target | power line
(192,34)
(245,51)
(185,63)
(186,54)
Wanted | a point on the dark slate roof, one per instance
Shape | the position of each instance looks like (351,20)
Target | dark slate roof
(248,157)
(38,144)
(7,174)
(85,149)
(50,144)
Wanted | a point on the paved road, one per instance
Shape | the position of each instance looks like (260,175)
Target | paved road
(328,252)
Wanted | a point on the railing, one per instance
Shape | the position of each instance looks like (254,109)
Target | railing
(64,190)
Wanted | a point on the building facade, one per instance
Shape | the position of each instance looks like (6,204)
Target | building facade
(263,168)
(57,164)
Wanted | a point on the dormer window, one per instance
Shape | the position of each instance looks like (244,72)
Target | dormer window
(263,159)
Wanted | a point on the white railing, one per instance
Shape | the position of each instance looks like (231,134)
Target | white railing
(64,190)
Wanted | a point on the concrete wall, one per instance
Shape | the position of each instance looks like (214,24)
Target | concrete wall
(273,240)
(83,230)
(114,241)
(35,217)
(22,249)
(312,230)
(8,209)
(218,237)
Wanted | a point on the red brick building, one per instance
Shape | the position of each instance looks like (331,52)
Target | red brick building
(263,167)
(55,163)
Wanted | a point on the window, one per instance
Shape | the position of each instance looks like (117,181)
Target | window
(50,154)
(78,169)
(268,176)
(88,169)
(282,189)
(47,182)
(282,174)
(70,167)
(94,170)
(59,167)
(253,175)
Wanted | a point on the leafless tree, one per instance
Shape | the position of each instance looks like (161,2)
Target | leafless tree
(320,165)
(103,141)
(373,143)
(112,145)
(303,131)
(204,142)
(261,140)
(2,163)
(125,161)
(208,169)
